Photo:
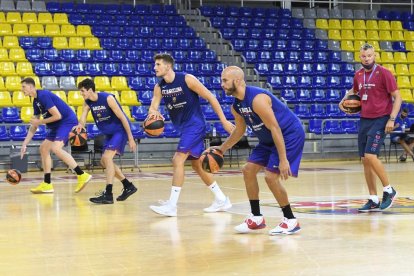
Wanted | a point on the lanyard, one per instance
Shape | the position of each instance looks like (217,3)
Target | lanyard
(369,78)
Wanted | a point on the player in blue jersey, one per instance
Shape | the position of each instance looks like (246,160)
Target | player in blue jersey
(281,141)
(181,94)
(113,123)
(59,119)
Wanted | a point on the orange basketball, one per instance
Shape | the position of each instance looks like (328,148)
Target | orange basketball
(352,103)
(153,127)
(78,137)
(13,177)
(212,160)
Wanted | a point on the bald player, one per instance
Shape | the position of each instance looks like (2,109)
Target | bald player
(279,152)
(181,93)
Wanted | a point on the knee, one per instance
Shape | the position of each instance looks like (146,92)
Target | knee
(369,158)
(102,161)
(177,162)
(248,170)
(43,149)
(196,166)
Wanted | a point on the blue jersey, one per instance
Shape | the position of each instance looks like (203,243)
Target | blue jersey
(45,100)
(105,119)
(286,119)
(400,122)
(183,105)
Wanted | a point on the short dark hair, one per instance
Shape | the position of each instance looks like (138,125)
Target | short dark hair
(367,46)
(87,84)
(165,57)
(28,81)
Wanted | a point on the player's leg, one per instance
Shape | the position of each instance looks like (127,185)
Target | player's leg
(46,185)
(106,197)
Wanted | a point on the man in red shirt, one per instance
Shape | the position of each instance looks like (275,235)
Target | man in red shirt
(380,104)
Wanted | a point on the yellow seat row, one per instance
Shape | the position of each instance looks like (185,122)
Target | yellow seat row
(103,83)
(405,82)
(15,54)
(391,57)
(407,95)
(74,98)
(89,118)
(364,35)
(75,43)
(13,83)
(23,68)
(347,24)
(16,99)
(351,46)
(22,29)
(31,17)
(400,69)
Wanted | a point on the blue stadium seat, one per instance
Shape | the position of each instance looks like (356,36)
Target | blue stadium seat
(305,81)
(93,69)
(308,34)
(147,56)
(44,42)
(304,96)
(322,57)
(306,56)
(250,56)
(335,68)
(126,69)
(158,32)
(195,56)
(318,82)
(100,55)
(40,133)
(76,19)
(141,9)
(242,33)
(137,83)
(209,56)
(68,7)
(42,69)
(350,126)
(4,134)
(169,44)
(132,55)
(84,55)
(275,82)
(307,45)
(129,31)
(333,127)
(318,111)
(382,14)
(145,96)
(206,69)
(277,69)
(100,31)
(143,69)
(333,111)
(206,11)
(399,46)
(59,69)
(302,111)
(333,95)
(118,9)
(289,81)
(199,44)
(139,113)
(220,130)
(258,12)
(321,45)
(18,133)
(108,43)
(315,126)
(117,55)
(51,55)
(263,68)
(157,9)
(218,68)
(164,112)
(289,95)
(227,112)
(347,69)
(34,55)
(84,8)
(347,82)
(296,34)
(137,131)
(305,69)
(333,56)
(92,131)
(293,45)
(320,69)
(53,7)
(253,45)
(123,43)
(333,81)
(76,69)
(94,19)
(280,45)
(209,113)
(318,95)
(109,69)
(239,45)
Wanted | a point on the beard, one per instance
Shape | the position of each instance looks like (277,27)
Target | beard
(368,66)
(230,91)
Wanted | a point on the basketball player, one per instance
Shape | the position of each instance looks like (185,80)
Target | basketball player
(380,103)
(279,152)
(181,94)
(111,121)
(59,119)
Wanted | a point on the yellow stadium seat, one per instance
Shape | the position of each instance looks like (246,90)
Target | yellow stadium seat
(2,17)
(5,29)
(81,78)
(375,44)
(60,18)
(396,26)
(1,44)
(24,69)
(116,95)
(20,29)
(358,24)
(334,34)
(322,24)
(76,43)
(410,57)
(29,18)
(378,58)
(36,80)
(403,82)
(68,30)
(11,42)
(385,35)
(2,87)
(347,34)
(400,57)
(390,67)
(44,18)
(412,81)
(13,17)
(75,98)
(397,36)
(7,68)
(89,118)
(26,113)
(408,35)
(372,25)
(19,99)
(387,57)
(102,83)
(119,83)
(360,35)
(372,35)
(127,112)
(358,44)
(52,30)
(5,99)
(348,45)
(401,70)
(129,97)
(384,25)
(83,30)
(334,24)
(92,43)
(17,54)
(13,83)
(347,24)
(4,54)
(60,42)
(407,95)
(61,94)
(411,69)
(36,30)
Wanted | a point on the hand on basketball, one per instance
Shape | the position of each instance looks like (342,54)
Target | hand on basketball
(23,151)
(284,168)
(132,145)
(155,115)
(228,126)
(78,127)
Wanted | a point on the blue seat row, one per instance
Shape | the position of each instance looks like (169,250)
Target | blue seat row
(233,11)
(143,31)
(310,82)
(305,95)
(395,15)
(293,56)
(257,22)
(276,33)
(346,126)
(300,69)
(133,20)
(279,45)
(309,111)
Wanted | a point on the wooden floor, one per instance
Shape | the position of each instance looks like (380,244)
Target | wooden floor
(65,234)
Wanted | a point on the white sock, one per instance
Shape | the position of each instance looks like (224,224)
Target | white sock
(374,198)
(175,194)
(214,187)
(388,189)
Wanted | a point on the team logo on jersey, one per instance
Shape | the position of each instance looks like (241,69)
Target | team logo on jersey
(169,106)
(174,99)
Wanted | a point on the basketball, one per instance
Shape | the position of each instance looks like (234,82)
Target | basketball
(352,103)
(13,177)
(212,160)
(78,137)
(153,127)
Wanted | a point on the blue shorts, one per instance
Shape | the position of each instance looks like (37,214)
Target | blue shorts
(371,135)
(60,133)
(268,157)
(403,136)
(116,142)
(192,143)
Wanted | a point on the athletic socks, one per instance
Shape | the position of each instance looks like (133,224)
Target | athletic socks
(287,212)
(47,178)
(217,191)
(374,198)
(255,207)
(175,194)
(126,183)
(78,170)
(388,189)
(108,189)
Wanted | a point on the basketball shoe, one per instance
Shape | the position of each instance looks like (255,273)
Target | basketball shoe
(251,223)
(370,206)
(103,198)
(286,227)
(218,206)
(388,199)
(43,188)
(126,192)
(83,179)
(166,209)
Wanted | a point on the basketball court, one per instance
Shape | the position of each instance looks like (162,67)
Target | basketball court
(64,234)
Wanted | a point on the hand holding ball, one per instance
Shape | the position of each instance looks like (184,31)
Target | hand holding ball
(352,104)
(212,160)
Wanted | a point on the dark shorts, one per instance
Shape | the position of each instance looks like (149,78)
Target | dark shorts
(192,143)
(268,157)
(116,142)
(403,136)
(371,135)
(60,133)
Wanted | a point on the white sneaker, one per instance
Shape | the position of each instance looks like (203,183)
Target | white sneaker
(165,210)
(218,206)
(251,223)
(286,226)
